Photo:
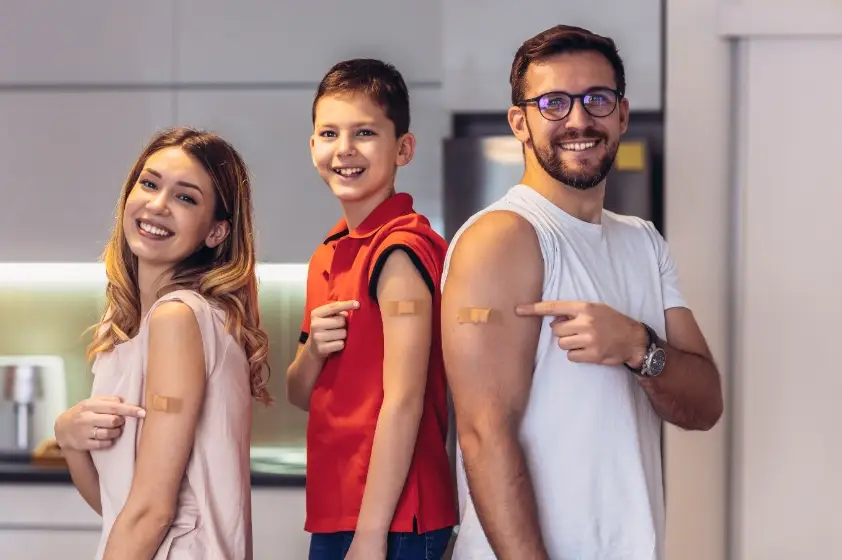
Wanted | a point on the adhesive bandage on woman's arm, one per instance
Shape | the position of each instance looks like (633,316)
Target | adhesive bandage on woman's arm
(164,404)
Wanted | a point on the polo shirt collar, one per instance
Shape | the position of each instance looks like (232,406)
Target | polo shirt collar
(396,205)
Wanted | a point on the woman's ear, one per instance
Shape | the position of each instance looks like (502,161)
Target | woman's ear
(218,233)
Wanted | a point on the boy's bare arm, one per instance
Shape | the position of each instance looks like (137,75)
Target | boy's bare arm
(406,309)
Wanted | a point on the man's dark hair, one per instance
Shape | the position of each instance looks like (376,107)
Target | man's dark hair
(563,39)
(378,80)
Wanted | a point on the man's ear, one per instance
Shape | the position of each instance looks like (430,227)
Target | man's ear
(517,122)
(624,115)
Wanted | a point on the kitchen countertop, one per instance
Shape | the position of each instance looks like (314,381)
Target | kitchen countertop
(270,467)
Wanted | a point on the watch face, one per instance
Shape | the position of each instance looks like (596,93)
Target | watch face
(657,361)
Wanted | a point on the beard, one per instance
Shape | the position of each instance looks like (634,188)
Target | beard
(582,178)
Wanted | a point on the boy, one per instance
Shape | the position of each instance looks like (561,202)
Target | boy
(369,366)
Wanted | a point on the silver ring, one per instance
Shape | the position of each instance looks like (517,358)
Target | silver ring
(96,432)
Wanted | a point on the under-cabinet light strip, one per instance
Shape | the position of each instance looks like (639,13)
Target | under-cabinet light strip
(84,274)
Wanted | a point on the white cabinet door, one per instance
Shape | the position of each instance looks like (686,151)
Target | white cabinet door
(278,523)
(64,157)
(480,38)
(28,544)
(297,42)
(46,521)
(86,41)
(271,130)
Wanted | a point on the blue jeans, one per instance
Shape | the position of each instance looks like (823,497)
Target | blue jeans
(399,546)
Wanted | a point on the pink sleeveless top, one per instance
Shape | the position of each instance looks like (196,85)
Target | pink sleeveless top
(213,517)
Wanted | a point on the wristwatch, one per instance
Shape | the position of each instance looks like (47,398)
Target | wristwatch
(655,358)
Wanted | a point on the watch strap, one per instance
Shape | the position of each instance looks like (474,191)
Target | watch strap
(651,338)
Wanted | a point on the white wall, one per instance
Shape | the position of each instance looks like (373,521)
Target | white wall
(752,164)
(697,227)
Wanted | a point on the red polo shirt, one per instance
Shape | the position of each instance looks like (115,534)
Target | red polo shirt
(348,395)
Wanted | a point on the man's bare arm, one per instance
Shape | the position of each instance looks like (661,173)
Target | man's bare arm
(688,393)
(495,265)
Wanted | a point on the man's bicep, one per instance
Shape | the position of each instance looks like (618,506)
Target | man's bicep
(489,351)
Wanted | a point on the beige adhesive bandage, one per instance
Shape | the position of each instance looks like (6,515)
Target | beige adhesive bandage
(402,307)
(474,315)
(165,404)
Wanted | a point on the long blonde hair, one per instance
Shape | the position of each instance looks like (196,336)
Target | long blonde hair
(224,275)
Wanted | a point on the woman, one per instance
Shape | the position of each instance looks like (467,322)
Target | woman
(181,341)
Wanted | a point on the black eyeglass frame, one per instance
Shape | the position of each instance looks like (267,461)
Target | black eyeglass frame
(573,97)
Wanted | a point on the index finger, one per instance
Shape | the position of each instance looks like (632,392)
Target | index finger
(119,408)
(549,308)
(335,307)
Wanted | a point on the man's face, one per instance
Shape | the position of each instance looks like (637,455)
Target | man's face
(578,150)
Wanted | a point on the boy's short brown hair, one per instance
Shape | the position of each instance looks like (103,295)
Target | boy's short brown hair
(378,80)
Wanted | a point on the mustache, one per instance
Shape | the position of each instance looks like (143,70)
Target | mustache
(574,135)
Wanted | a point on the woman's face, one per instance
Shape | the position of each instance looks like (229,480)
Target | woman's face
(170,210)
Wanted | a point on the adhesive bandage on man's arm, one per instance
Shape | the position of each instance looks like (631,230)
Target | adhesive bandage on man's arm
(476,315)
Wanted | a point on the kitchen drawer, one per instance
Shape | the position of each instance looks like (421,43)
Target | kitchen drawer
(42,544)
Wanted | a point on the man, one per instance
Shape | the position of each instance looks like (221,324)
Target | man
(559,403)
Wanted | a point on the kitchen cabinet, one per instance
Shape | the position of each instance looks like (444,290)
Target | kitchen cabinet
(293,207)
(295,43)
(278,523)
(65,157)
(86,42)
(47,521)
(43,544)
(480,38)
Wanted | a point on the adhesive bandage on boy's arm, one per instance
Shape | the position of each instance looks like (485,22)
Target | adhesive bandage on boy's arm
(176,378)
(397,307)
(489,355)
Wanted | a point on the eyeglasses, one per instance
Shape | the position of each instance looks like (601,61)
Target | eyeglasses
(556,105)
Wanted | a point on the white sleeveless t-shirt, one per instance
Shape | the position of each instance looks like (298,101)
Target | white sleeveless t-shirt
(591,438)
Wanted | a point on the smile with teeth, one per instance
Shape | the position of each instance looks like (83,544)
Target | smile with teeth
(348,171)
(579,146)
(153,230)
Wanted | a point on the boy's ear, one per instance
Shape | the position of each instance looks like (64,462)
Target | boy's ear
(312,151)
(406,149)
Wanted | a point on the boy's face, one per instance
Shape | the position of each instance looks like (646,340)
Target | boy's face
(354,147)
